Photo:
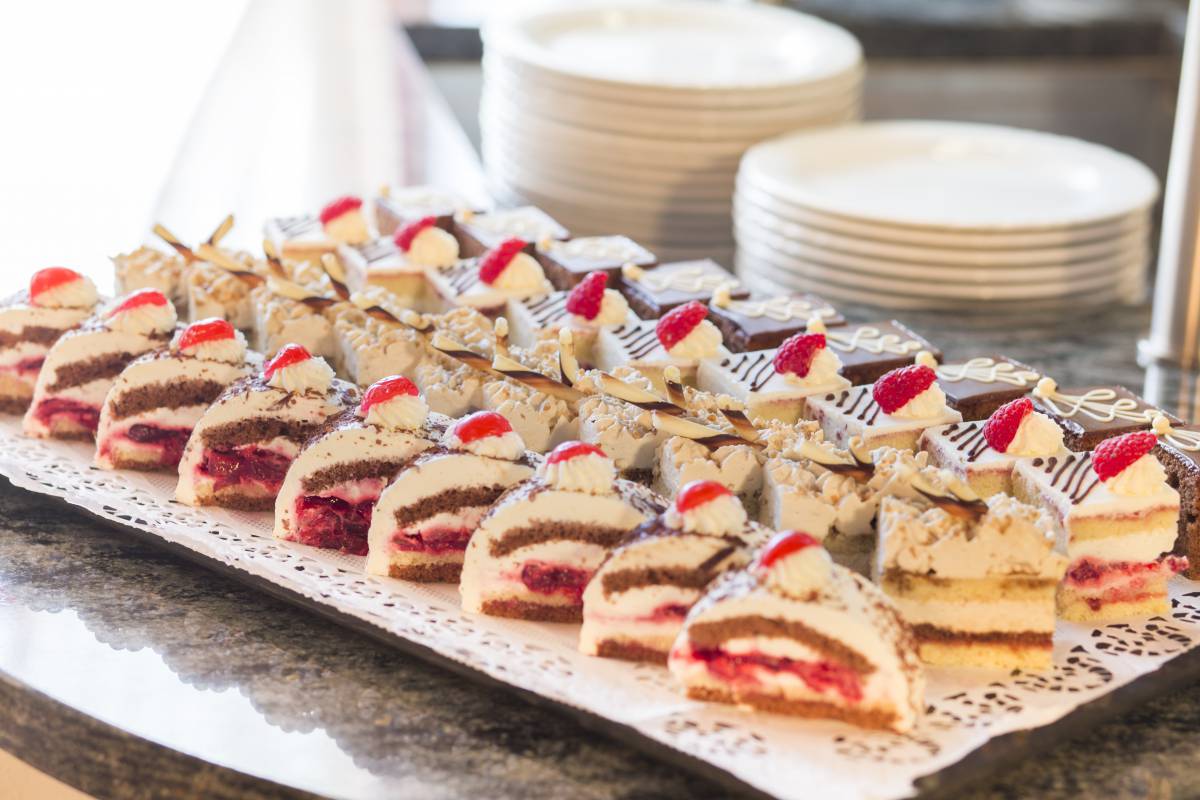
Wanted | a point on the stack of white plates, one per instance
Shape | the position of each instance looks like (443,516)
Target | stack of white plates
(632,118)
(918,214)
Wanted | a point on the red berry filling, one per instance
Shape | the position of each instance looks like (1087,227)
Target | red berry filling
(29,367)
(54,409)
(669,612)
(542,577)
(404,237)
(745,668)
(897,387)
(1112,456)
(170,441)
(436,541)
(677,323)
(1001,427)
(585,299)
(1121,581)
(334,523)
(496,260)
(795,356)
(230,466)
(338,207)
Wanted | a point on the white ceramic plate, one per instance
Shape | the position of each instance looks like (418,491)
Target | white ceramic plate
(951,175)
(748,196)
(687,46)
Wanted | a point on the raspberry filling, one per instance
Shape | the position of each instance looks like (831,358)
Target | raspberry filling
(56,408)
(230,466)
(436,541)
(668,612)
(1121,581)
(745,668)
(542,577)
(334,523)
(170,441)
(29,367)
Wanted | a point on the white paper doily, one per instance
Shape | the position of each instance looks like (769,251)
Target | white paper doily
(781,756)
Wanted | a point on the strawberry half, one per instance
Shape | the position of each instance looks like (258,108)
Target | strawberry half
(290,354)
(897,387)
(783,544)
(697,493)
(568,450)
(50,278)
(404,237)
(385,389)
(795,356)
(677,323)
(480,425)
(1112,456)
(206,330)
(142,297)
(585,299)
(342,205)
(496,260)
(1002,425)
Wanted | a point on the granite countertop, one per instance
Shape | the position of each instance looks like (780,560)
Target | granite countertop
(128,672)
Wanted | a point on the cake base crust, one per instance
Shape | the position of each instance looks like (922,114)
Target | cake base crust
(537,612)
(1075,609)
(987,655)
(877,719)
(445,572)
(627,650)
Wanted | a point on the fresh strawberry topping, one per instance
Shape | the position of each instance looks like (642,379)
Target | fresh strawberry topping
(338,207)
(142,297)
(498,258)
(568,450)
(480,425)
(585,299)
(796,355)
(289,355)
(697,493)
(783,544)
(404,237)
(385,389)
(677,323)
(50,278)
(1002,425)
(212,329)
(1113,455)
(899,386)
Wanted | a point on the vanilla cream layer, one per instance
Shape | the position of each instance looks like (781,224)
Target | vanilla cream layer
(999,615)
(1137,547)
(16,318)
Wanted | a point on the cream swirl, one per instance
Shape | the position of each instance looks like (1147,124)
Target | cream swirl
(1143,477)
(800,574)
(349,227)
(1036,435)
(507,446)
(433,247)
(144,319)
(822,370)
(703,341)
(229,351)
(613,311)
(79,293)
(924,405)
(522,274)
(399,413)
(721,516)
(310,375)
(590,473)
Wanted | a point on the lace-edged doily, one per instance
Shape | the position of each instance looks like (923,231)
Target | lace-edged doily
(784,757)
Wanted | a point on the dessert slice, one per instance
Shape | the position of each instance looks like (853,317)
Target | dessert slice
(398,262)
(892,412)
(147,268)
(773,384)
(870,349)
(654,292)
(796,634)
(538,546)
(477,233)
(682,338)
(542,419)
(84,363)
(240,450)
(634,606)
(976,580)
(1090,414)
(1120,518)
(738,467)
(982,454)
(762,323)
(622,430)
(1179,452)
(506,272)
(281,319)
(332,485)
(150,411)
(307,237)
(426,516)
(31,321)
(216,291)
(567,262)
(977,387)
(395,208)
(585,310)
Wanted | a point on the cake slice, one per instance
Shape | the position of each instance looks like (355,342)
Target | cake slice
(84,363)
(796,634)
(426,516)
(682,338)
(634,606)
(1090,414)
(150,411)
(398,262)
(537,547)
(31,321)
(765,322)
(1121,520)
(240,450)
(868,350)
(585,310)
(1179,452)
(982,454)
(568,262)
(504,273)
(331,487)
(654,292)
(978,386)
(478,233)
(396,207)
(976,580)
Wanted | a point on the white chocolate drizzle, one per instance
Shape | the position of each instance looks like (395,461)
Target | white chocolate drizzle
(987,370)
(1184,440)
(780,309)
(694,278)
(1100,404)
(872,340)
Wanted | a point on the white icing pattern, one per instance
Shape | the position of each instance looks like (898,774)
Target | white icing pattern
(688,279)
(780,309)
(986,370)
(872,340)
(1100,404)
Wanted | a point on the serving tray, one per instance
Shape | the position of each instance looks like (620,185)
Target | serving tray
(974,720)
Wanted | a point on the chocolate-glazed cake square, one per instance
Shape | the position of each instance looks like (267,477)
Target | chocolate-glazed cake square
(652,293)
(1090,414)
(762,322)
(1179,452)
(396,208)
(870,349)
(566,263)
(978,386)
(478,233)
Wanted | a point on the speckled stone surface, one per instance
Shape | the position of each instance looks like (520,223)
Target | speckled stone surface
(130,673)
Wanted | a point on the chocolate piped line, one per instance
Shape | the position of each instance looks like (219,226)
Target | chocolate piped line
(1073,482)
(968,438)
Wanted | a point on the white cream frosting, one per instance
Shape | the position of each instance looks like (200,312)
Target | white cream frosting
(523,274)
(929,403)
(1141,478)
(800,574)
(310,375)
(79,293)
(703,341)
(1036,435)
(350,227)
(721,516)
(144,319)
(613,311)
(230,351)
(823,371)
(433,247)
(507,446)
(589,473)
(401,412)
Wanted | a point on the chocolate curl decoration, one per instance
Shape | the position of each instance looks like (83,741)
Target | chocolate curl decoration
(957,505)
(294,291)
(448,347)
(218,258)
(742,424)
(407,317)
(610,385)
(273,259)
(171,239)
(517,371)
(674,383)
(568,364)
(848,464)
(500,332)
(337,275)
(220,231)
(709,437)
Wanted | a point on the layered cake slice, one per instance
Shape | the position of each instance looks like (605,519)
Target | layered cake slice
(976,580)
(506,272)
(1179,451)
(567,262)
(332,485)
(150,411)
(240,450)
(426,516)
(681,338)
(796,634)
(537,547)
(654,292)
(31,321)
(634,606)
(892,412)
(1090,414)
(773,384)
(585,310)
(765,322)
(84,363)
(978,386)
(1121,520)
(478,233)
(982,454)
